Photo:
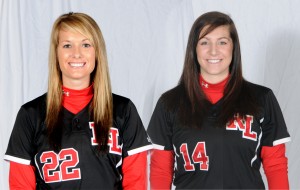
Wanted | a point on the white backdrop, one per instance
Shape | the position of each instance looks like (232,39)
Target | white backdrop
(146,41)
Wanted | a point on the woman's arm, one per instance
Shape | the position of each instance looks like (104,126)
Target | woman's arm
(135,172)
(161,169)
(275,166)
(21,176)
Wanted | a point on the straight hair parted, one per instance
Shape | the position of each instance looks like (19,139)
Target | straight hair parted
(101,106)
(194,105)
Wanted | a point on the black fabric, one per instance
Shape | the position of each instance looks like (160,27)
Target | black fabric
(78,164)
(211,157)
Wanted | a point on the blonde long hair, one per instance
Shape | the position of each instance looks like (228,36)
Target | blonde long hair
(101,106)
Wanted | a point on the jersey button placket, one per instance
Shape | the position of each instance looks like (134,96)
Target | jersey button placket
(76,124)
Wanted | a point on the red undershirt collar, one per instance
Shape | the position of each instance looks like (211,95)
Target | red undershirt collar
(76,100)
(214,92)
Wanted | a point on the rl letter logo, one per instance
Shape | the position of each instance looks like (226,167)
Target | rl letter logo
(113,141)
(244,125)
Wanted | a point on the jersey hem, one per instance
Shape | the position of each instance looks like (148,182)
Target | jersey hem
(138,150)
(17,160)
(281,141)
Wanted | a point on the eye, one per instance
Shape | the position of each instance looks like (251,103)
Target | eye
(67,46)
(202,43)
(86,45)
(223,42)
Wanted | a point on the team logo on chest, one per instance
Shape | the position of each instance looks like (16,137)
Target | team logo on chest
(244,125)
(113,141)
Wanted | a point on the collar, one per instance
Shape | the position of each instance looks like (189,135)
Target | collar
(209,87)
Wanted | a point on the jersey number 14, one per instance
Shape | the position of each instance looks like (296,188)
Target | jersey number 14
(198,156)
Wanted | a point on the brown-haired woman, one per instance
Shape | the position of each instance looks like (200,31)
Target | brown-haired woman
(78,135)
(214,129)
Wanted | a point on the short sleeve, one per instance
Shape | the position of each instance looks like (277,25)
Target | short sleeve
(20,147)
(135,137)
(160,128)
(274,129)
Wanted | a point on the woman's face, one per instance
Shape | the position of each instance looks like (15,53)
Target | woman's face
(76,57)
(214,54)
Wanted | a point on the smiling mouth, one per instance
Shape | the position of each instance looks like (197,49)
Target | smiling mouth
(77,64)
(214,60)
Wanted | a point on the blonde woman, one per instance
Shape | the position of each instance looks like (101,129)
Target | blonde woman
(78,135)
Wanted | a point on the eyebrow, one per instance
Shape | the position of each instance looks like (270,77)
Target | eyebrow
(70,41)
(226,38)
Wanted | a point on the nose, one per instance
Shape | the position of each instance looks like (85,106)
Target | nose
(76,52)
(213,49)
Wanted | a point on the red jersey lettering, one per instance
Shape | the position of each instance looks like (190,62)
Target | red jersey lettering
(113,141)
(244,125)
(69,158)
(199,156)
(93,139)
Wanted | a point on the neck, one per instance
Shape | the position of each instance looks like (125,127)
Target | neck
(215,79)
(76,84)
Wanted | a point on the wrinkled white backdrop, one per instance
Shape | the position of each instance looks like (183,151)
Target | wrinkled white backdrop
(146,42)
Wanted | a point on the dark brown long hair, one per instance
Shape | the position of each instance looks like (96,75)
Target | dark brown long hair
(193,103)
(101,106)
